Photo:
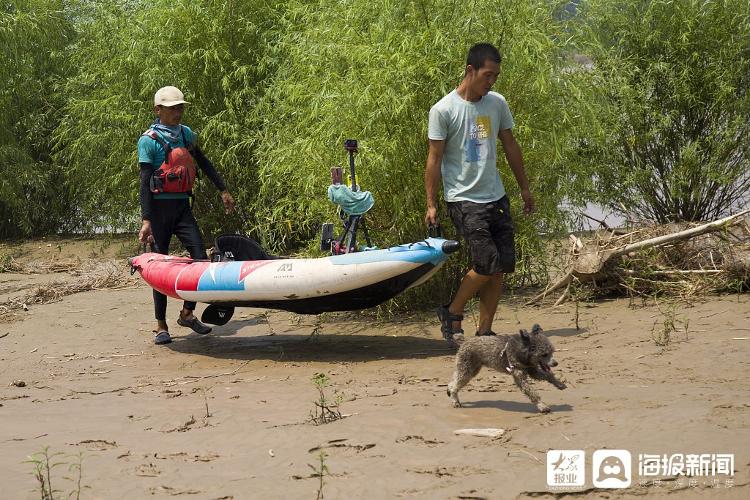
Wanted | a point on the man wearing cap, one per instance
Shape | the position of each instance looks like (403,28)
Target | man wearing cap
(167,154)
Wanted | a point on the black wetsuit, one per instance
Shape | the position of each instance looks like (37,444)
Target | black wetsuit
(174,217)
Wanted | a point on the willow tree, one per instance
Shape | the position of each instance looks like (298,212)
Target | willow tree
(34,35)
(126,51)
(370,70)
(669,139)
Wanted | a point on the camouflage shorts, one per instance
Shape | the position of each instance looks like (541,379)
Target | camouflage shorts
(489,232)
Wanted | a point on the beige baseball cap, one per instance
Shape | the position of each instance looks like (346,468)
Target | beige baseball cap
(169,96)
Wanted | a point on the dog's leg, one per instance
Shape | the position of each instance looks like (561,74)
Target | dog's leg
(550,377)
(522,381)
(463,374)
(453,390)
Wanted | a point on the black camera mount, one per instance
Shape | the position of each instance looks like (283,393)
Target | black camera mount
(350,145)
(347,242)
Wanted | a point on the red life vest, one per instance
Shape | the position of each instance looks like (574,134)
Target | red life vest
(177,173)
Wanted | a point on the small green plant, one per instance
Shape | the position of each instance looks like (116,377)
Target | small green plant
(315,333)
(325,410)
(6,262)
(579,292)
(320,472)
(43,465)
(738,282)
(44,462)
(77,469)
(670,325)
(205,401)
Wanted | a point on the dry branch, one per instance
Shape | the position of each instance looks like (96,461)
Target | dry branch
(11,265)
(602,259)
(681,235)
(109,275)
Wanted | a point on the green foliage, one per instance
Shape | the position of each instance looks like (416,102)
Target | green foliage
(662,335)
(657,124)
(326,410)
(320,472)
(371,71)
(45,462)
(209,49)
(275,88)
(33,38)
(669,136)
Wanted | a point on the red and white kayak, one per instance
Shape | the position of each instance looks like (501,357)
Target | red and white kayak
(346,282)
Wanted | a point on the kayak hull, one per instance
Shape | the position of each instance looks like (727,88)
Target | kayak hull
(346,282)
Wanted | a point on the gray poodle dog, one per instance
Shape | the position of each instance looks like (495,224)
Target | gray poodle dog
(522,355)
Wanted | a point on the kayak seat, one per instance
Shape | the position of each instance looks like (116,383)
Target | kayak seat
(238,247)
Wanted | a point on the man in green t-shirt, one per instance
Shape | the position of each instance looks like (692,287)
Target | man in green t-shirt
(463,130)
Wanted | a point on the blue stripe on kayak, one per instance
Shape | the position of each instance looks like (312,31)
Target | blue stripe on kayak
(222,276)
(422,252)
(225,275)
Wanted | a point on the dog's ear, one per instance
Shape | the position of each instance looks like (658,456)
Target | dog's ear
(525,336)
(536,329)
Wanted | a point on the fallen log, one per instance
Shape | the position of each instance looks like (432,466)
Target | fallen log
(590,262)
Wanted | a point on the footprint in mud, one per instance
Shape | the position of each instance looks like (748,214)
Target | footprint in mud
(450,471)
(172,393)
(173,491)
(730,415)
(96,444)
(342,445)
(421,440)
(190,424)
(208,457)
(147,470)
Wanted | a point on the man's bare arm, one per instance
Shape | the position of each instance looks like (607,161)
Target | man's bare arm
(432,179)
(515,160)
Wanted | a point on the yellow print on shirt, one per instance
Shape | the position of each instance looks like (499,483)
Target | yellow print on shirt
(483,127)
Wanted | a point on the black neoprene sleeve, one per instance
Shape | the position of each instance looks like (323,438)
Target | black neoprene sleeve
(144,193)
(209,169)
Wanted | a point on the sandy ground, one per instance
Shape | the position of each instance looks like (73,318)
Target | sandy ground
(227,415)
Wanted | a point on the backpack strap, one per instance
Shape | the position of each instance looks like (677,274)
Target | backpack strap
(189,146)
(164,144)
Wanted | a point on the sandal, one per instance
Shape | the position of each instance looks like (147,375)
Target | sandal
(446,322)
(195,325)
(162,337)
(488,333)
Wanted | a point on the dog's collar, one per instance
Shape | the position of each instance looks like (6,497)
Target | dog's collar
(504,359)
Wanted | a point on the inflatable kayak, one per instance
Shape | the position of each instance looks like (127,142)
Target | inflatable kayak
(346,282)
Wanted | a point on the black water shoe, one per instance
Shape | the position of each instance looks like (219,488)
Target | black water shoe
(195,325)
